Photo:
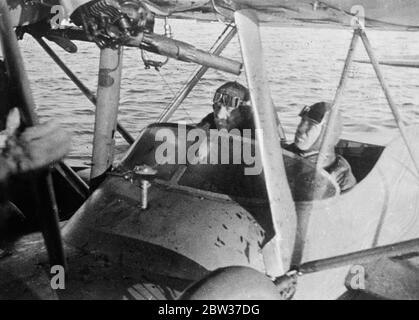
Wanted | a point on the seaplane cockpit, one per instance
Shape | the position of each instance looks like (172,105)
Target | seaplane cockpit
(216,165)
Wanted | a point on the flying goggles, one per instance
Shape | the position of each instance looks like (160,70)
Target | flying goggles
(227,100)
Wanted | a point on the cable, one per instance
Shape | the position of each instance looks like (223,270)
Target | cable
(174,94)
(170,89)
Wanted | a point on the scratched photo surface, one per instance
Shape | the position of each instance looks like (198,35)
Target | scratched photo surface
(150,228)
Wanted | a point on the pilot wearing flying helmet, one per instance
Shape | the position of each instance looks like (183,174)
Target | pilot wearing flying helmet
(308,139)
(232,109)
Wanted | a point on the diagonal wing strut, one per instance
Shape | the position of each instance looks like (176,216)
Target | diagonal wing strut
(278,251)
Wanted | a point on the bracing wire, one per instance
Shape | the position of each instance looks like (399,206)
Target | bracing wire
(144,56)
(174,94)
(215,44)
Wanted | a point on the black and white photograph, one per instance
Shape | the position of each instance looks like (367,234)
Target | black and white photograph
(225,151)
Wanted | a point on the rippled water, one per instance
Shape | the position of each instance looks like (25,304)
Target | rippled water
(304,66)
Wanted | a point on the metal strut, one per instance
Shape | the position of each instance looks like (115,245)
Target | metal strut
(287,283)
(89,95)
(400,249)
(331,121)
(109,86)
(327,140)
(277,253)
(368,255)
(391,103)
(197,75)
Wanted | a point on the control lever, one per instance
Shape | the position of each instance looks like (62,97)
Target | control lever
(145,174)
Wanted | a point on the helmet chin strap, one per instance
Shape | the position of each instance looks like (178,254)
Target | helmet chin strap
(313,152)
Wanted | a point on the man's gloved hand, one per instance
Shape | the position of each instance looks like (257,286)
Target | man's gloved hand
(35,148)
(41,146)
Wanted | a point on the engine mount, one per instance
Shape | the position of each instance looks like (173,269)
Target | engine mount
(109,23)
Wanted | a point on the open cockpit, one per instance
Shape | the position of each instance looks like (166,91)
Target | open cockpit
(201,170)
